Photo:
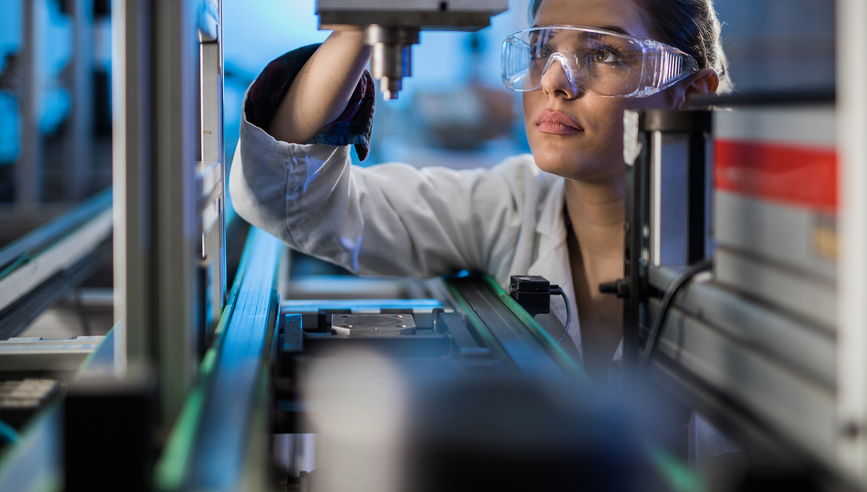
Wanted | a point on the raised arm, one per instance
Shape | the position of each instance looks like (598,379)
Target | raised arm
(320,92)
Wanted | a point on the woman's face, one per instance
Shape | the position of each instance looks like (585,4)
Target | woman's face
(590,147)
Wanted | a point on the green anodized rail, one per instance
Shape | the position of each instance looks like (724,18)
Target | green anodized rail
(558,355)
(488,337)
(175,458)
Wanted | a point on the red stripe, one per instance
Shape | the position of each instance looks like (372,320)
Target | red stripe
(802,176)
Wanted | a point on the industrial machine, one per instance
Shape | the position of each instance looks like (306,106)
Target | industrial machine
(743,283)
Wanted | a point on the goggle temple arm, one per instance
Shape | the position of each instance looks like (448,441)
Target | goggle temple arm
(671,66)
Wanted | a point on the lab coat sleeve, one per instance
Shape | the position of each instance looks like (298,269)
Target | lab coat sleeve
(390,219)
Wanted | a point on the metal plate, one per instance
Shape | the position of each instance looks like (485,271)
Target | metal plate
(373,325)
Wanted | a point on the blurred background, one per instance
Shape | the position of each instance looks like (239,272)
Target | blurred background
(444,115)
(55,91)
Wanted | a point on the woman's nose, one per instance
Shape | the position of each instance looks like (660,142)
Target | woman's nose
(559,78)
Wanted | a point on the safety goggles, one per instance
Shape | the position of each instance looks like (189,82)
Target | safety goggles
(595,61)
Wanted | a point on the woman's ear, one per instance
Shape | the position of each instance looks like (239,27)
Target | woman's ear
(705,81)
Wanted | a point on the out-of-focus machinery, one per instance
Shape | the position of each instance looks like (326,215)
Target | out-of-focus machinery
(770,344)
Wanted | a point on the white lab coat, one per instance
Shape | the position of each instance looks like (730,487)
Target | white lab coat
(394,219)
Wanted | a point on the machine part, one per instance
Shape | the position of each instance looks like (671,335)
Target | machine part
(679,214)
(19,400)
(754,369)
(776,205)
(682,278)
(110,421)
(532,292)
(508,330)
(391,59)
(291,345)
(293,337)
(373,325)
(19,355)
(311,318)
(16,318)
(50,233)
(25,276)
(392,27)
(234,383)
(681,139)
(324,317)
(38,461)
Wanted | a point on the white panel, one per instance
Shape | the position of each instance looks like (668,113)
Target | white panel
(806,126)
(794,293)
(784,234)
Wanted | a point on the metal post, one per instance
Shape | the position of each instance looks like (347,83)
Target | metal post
(131,167)
(852,215)
(176,124)
(28,170)
(213,224)
(155,194)
(79,161)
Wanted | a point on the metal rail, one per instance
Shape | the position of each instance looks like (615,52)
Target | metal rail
(516,340)
(40,238)
(208,444)
(42,267)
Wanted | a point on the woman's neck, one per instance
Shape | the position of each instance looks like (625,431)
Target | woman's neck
(596,211)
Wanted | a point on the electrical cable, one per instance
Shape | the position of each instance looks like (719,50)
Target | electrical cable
(678,281)
(556,290)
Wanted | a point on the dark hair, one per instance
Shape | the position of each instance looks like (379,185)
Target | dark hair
(689,25)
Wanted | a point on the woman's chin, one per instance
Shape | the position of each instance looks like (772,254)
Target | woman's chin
(579,169)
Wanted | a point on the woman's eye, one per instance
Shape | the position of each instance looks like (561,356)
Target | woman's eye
(542,53)
(604,56)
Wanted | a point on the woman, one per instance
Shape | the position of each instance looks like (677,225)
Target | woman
(558,213)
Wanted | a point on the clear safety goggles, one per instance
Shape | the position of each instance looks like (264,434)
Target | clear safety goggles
(595,61)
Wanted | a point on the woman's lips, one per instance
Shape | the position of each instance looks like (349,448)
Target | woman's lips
(557,123)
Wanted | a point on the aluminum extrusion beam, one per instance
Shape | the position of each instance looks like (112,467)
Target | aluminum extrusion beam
(27,354)
(79,139)
(208,447)
(28,168)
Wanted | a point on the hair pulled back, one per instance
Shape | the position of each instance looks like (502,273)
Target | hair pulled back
(689,25)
